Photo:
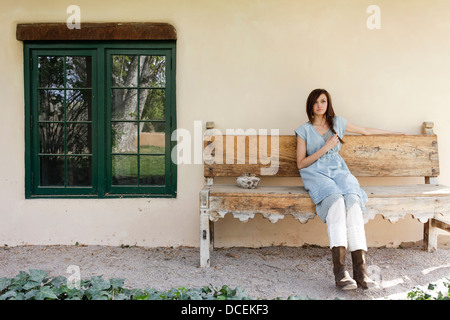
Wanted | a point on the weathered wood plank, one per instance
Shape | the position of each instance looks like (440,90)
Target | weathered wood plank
(205,241)
(441,224)
(430,236)
(366,156)
(399,156)
(236,155)
(392,202)
(392,191)
(395,208)
(96,31)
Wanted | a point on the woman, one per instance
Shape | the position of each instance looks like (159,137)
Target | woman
(336,193)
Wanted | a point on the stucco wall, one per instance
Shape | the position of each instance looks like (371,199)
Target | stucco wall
(243,64)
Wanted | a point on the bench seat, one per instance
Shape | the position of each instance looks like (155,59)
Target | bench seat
(274,202)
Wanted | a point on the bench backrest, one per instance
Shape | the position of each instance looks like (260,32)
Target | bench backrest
(366,156)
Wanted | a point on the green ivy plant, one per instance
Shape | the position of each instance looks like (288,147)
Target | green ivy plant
(37,285)
(418,293)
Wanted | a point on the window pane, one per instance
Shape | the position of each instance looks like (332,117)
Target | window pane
(152,138)
(51,138)
(152,170)
(79,138)
(124,170)
(124,104)
(79,172)
(153,71)
(51,71)
(154,104)
(124,71)
(51,105)
(79,71)
(52,171)
(124,137)
(79,105)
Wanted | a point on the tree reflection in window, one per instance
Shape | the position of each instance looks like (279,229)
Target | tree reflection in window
(65,120)
(138,120)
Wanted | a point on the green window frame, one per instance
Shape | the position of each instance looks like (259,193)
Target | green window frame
(99,118)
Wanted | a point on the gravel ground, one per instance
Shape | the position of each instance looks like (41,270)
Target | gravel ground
(268,272)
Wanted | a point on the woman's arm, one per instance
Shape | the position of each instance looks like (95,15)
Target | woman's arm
(368,131)
(304,161)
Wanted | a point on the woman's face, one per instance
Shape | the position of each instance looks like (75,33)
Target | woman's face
(320,107)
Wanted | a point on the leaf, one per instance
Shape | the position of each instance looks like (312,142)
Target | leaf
(97,294)
(240,294)
(227,291)
(38,275)
(30,294)
(117,283)
(99,283)
(121,296)
(63,292)
(31,284)
(18,281)
(8,294)
(141,297)
(154,294)
(21,276)
(194,294)
(4,283)
(19,296)
(207,289)
(45,293)
(58,281)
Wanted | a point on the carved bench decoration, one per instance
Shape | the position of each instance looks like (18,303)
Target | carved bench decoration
(366,156)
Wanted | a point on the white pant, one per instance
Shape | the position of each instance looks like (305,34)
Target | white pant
(346,227)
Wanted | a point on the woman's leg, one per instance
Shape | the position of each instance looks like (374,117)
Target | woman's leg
(357,246)
(337,233)
(336,224)
(355,229)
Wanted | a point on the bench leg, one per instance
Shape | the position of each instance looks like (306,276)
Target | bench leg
(211,236)
(430,236)
(204,239)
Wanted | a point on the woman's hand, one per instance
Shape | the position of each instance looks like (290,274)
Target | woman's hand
(331,142)
(304,161)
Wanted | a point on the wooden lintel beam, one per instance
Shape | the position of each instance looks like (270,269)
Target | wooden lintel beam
(96,31)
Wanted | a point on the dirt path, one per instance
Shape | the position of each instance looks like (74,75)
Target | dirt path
(262,273)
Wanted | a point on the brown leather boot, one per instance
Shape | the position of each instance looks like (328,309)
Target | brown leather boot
(342,278)
(360,271)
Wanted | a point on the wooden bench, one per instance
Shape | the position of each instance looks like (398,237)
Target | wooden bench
(366,156)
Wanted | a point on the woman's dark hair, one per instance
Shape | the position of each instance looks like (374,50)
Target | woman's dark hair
(329,114)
